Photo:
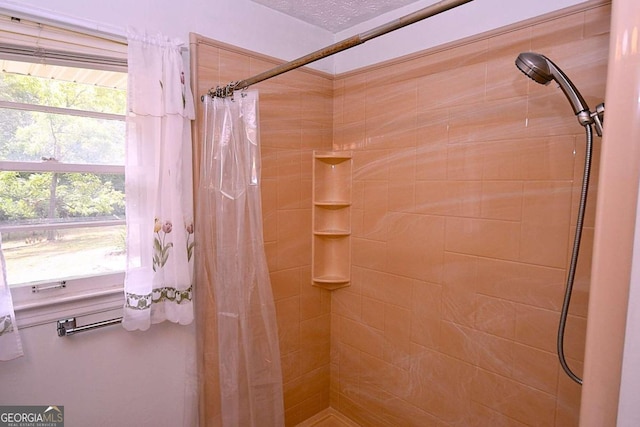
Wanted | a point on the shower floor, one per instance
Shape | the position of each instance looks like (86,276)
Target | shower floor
(328,418)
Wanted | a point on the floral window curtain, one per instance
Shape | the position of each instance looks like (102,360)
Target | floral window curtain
(159,277)
(10,344)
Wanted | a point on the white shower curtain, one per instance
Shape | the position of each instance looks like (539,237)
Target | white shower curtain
(229,222)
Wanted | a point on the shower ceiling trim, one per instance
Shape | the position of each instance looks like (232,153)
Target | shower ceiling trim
(334,15)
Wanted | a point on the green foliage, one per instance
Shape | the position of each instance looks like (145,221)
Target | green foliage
(58,93)
(25,196)
(88,195)
(30,136)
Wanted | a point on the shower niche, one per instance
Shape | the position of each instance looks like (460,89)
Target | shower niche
(331,219)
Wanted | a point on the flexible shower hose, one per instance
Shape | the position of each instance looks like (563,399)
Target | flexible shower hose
(574,257)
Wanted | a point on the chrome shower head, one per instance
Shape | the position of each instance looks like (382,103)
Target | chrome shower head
(542,70)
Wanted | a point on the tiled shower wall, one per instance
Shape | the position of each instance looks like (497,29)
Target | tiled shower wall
(295,119)
(466,185)
(466,180)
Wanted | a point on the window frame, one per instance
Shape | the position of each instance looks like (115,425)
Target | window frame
(49,300)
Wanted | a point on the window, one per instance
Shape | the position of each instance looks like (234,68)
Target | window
(62,151)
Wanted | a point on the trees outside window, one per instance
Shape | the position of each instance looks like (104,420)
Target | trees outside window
(62,145)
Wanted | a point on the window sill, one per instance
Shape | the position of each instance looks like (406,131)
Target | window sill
(33,311)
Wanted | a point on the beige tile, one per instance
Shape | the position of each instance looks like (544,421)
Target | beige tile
(350,368)
(287,317)
(426,311)
(459,342)
(314,343)
(448,198)
(464,161)
(314,301)
(290,364)
(501,200)
(496,316)
(459,291)
(281,133)
(388,288)
(397,336)
(504,160)
(545,223)
(314,404)
(432,129)
(535,368)
(549,158)
(349,136)
(503,79)
(376,202)
(373,313)
(463,85)
(328,417)
(391,127)
(362,337)
(495,354)
(536,327)
(269,210)
(568,400)
(487,121)
(538,286)
(310,384)
(487,238)
(507,397)
(460,271)
(597,21)
(557,32)
(347,304)
(582,279)
(276,105)
(399,412)
(371,165)
(431,160)
(231,65)
(459,305)
(415,246)
(289,183)
(376,373)
(401,184)
(285,283)
(446,394)
(368,253)
(294,238)
(575,337)
(482,415)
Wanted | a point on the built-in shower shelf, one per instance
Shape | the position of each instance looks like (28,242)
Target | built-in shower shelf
(331,282)
(332,157)
(332,233)
(331,248)
(334,204)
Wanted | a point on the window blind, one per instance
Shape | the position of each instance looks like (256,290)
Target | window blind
(26,40)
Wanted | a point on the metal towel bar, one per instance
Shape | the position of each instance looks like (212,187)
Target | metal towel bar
(68,326)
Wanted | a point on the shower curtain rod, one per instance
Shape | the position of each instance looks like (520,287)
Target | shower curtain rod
(348,43)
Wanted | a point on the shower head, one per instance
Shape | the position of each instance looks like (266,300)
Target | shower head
(540,69)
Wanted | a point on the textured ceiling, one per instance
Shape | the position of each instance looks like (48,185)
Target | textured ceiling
(334,15)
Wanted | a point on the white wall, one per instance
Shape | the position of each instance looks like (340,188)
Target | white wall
(106,377)
(252,26)
(466,20)
(239,22)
